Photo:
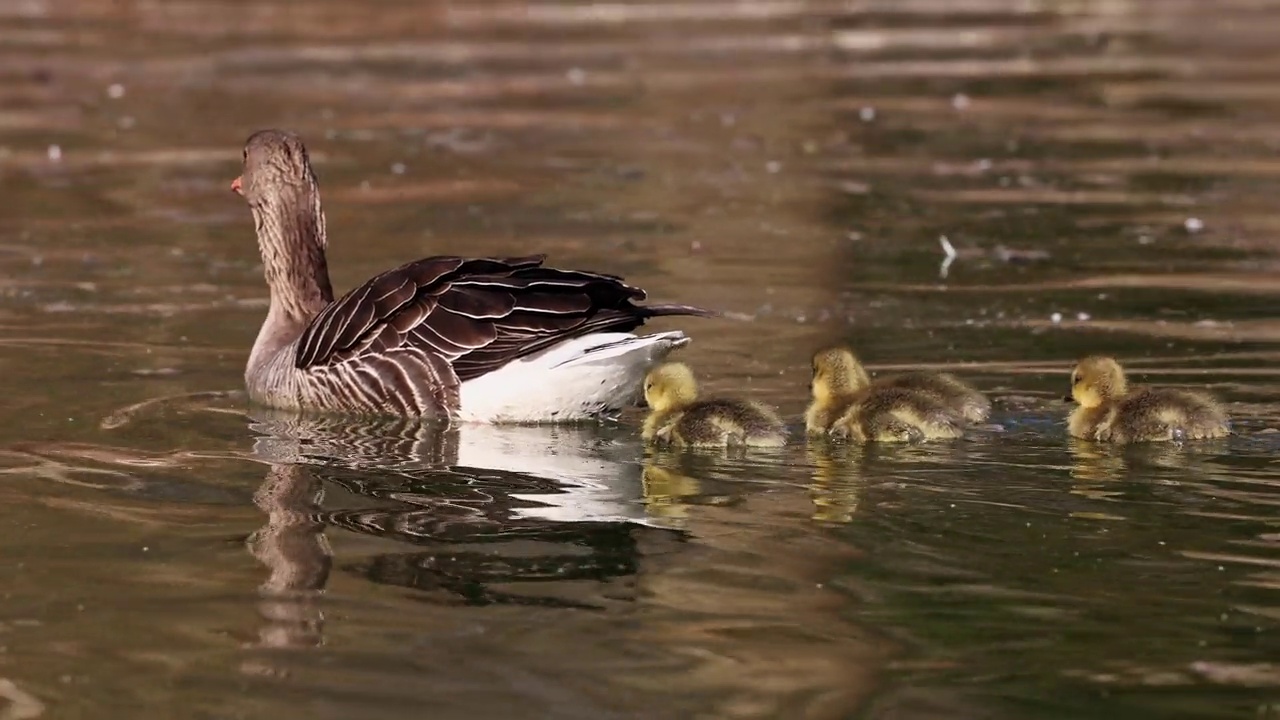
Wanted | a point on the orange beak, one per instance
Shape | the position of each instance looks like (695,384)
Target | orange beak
(235,186)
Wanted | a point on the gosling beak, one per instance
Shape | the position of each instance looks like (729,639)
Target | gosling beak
(1067,398)
(235,186)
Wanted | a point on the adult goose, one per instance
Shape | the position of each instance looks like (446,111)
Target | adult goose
(468,339)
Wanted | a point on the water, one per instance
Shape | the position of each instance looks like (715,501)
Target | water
(1104,170)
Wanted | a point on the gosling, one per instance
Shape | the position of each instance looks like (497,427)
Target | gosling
(951,390)
(1109,411)
(677,417)
(847,405)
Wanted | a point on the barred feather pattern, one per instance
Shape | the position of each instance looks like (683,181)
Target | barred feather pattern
(403,342)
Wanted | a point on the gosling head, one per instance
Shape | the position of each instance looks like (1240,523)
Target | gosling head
(1096,380)
(837,373)
(670,387)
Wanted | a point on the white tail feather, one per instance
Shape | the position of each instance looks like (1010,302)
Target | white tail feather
(578,379)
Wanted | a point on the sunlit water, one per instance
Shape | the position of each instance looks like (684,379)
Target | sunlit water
(1106,173)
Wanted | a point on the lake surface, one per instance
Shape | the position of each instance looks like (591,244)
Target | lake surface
(1106,173)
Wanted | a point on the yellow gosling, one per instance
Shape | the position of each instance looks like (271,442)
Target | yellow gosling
(668,390)
(838,377)
(951,390)
(838,381)
(893,414)
(1109,411)
(846,404)
(677,417)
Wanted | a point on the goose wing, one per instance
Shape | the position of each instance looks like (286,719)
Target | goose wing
(469,316)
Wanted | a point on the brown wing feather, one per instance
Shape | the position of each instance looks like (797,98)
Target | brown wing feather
(475,314)
(349,322)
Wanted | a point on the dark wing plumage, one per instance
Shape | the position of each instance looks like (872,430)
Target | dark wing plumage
(477,314)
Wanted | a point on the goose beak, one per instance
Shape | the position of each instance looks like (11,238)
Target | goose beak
(235,186)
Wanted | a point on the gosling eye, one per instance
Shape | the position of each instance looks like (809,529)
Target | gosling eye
(1075,379)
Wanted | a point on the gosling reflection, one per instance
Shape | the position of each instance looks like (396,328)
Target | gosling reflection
(1091,464)
(837,481)
(676,480)
(673,482)
(1098,469)
(840,472)
(667,494)
(747,594)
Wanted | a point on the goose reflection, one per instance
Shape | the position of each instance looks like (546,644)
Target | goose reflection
(293,547)
(484,506)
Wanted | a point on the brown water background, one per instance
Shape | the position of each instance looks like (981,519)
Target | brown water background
(1105,170)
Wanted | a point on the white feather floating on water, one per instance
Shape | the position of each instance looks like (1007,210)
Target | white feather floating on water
(950,253)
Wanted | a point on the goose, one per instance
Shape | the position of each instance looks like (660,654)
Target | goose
(489,340)
(1110,411)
